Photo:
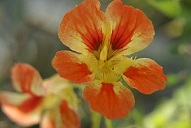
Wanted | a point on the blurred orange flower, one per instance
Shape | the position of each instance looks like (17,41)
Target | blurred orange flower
(50,102)
(101,41)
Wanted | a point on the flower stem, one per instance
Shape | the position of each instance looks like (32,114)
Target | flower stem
(96,120)
(108,123)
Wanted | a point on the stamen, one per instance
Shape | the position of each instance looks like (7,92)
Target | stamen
(103,53)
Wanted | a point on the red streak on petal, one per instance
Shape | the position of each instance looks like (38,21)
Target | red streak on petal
(92,40)
(122,34)
(30,104)
(129,26)
(85,20)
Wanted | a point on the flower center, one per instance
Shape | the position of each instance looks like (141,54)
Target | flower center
(105,72)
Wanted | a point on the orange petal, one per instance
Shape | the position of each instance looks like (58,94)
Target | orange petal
(26,79)
(81,28)
(69,117)
(48,122)
(146,76)
(132,31)
(22,109)
(63,117)
(113,101)
(68,66)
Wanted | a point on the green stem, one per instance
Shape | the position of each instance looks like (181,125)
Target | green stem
(96,120)
(108,123)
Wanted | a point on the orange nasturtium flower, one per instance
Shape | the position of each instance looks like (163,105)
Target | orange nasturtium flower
(50,102)
(101,43)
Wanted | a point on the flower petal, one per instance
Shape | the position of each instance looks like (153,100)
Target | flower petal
(146,76)
(26,79)
(69,117)
(59,88)
(113,101)
(132,31)
(81,28)
(68,66)
(22,109)
(48,122)
(63,117)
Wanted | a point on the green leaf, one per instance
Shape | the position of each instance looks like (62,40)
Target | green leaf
(170,8)
(173,112)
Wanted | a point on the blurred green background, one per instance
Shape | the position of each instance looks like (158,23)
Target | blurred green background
(28,33)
